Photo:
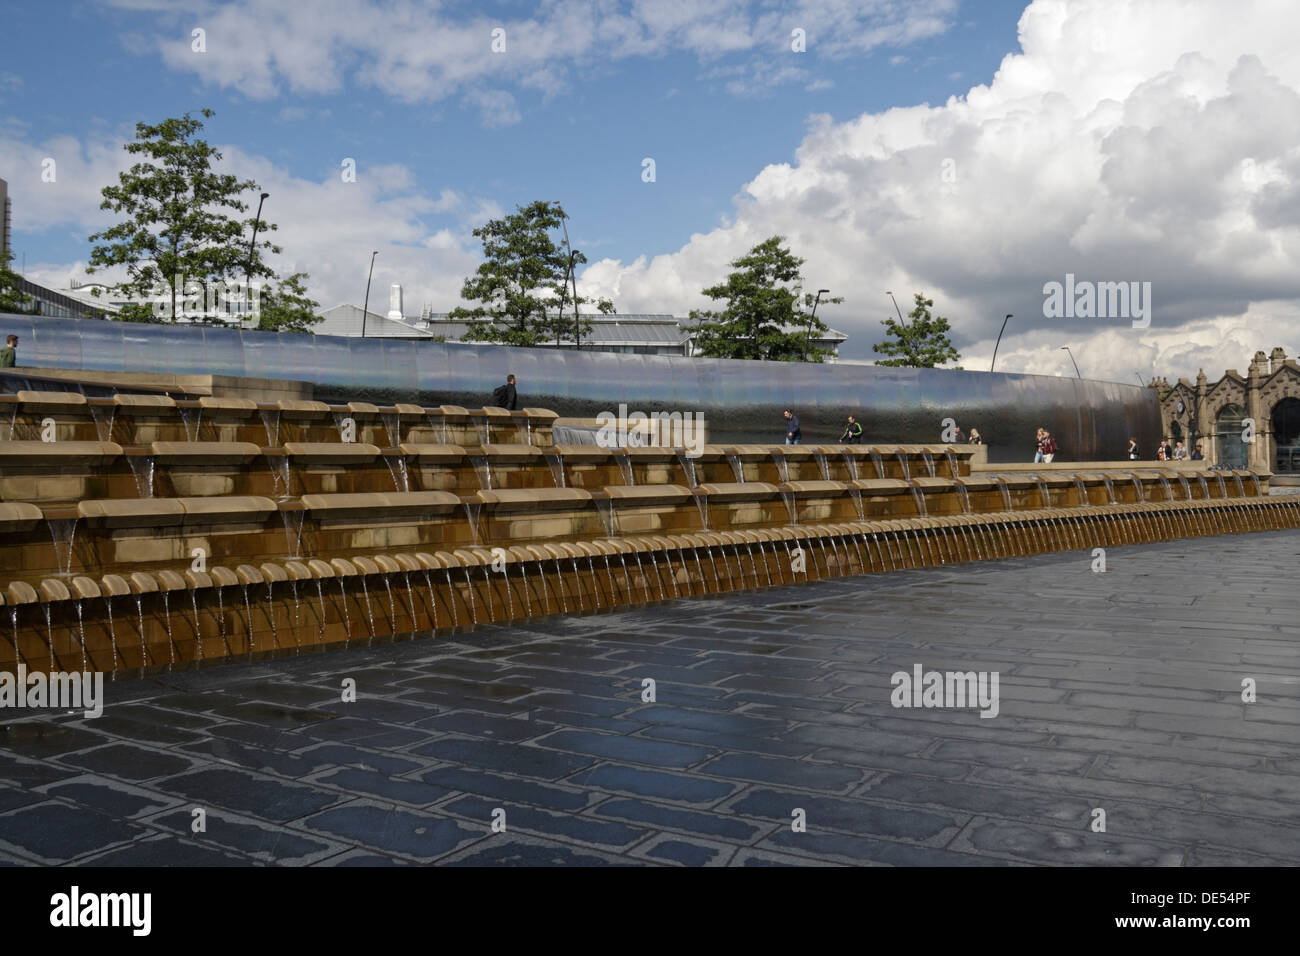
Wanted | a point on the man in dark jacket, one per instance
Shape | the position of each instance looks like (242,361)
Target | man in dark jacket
(792,433)
(852,432)
(505,395)
(8,354)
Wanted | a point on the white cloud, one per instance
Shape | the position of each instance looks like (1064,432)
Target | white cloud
(1155,142)
(417,52)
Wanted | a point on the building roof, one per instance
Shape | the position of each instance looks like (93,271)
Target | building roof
(642,329)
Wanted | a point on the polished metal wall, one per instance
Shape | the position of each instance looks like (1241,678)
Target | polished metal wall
(742,401)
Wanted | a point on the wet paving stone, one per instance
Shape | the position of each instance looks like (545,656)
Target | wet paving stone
(59,832)
(404,832)
(128,762)
(1118,690)
(244,792)
(582,829)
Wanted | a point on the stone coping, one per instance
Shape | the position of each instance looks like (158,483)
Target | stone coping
(534,499)
(330,453)
(16,454)
(381,505)
(39,402)
(724,491)
(204,452)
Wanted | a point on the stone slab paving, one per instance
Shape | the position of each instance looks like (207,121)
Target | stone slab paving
(1119,691)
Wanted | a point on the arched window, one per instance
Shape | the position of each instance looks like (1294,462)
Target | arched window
(1286,435)
(1231,450)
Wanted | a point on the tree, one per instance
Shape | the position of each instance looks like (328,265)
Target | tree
(177,228)
(921,343)
(13,299)
(287,307)
(760,320)
(520,261)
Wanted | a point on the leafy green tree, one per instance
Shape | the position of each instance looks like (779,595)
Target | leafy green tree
(177,224)
(921,343)
(520,262)
(760,320)
(286,307)
(11,298)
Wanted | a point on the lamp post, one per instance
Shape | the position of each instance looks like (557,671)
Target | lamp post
(901,320)
(365,309)
(570,274)
(248,269)
(807,340)
(998,342)
(1066,348)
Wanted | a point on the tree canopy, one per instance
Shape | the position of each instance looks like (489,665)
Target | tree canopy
(522,287)
(286,307)
(11,298)
(181,223)
(761,319)
(920,343)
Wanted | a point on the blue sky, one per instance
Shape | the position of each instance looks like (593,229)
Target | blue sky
(583,146)
(1067,121)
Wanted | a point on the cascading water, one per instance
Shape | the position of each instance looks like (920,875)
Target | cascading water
(483,470)
(782,466)
(397,469)
(142,468)
(879,462)
(823,465)
(624,462)
(63,533)
(472,510)
(556,463)
(851,463)
(392,427)
(929,462)
(271,422)
(903,464)
(737,469)
(688,469)
(953,469)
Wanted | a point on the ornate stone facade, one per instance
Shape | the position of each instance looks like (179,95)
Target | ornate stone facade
(1222,415)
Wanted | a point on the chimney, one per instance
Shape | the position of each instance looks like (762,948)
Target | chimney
(395,302)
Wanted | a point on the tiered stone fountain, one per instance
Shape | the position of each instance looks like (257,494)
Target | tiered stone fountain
(142,532)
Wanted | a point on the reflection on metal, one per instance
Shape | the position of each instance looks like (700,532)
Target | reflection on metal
(741,400)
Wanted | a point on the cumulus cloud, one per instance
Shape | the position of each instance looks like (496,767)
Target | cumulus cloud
(1155,142)
(328,226)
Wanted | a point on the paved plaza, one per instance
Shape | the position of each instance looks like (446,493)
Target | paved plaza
(1119,692)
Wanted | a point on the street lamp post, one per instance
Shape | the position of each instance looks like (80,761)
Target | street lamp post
(365,308)
(248,269)
(807,341)
(901,320)
(570,274)
(998,342)
(1066,348)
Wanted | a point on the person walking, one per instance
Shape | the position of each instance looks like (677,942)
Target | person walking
(792,432)
(1133,452)
(1038,445)
(506,396)
(1180,453)
(1162,452)
(852,432)
(1197,453)
(1048,446)
(9,354)
(975,438)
